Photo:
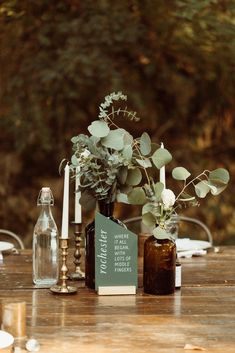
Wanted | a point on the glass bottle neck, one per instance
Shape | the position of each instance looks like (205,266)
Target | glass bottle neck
(106,208)
(46,210)
(45,220)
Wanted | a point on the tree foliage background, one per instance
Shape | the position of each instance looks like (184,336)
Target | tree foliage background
(59,58)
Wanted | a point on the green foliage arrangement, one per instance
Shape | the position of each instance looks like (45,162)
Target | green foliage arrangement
(160,203)
(115,166)
(105,158)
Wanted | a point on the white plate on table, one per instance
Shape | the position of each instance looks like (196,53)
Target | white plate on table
(186,244)
(5,246)
(6,340)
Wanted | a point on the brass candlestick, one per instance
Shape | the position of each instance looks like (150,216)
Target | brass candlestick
(78,274)
(63,288)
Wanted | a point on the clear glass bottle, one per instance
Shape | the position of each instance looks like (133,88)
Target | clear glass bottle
(45,243)
(172,225)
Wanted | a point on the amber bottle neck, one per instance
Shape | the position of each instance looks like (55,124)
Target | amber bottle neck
(106,208)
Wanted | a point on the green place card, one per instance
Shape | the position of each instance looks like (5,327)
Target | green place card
(116,266)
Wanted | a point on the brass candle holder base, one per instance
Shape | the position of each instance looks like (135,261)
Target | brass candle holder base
(78,275)
(63,288)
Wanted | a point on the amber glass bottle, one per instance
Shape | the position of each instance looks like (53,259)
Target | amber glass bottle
(106,208)
(159,266)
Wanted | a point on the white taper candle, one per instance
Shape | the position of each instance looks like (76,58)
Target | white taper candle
(65,213)
(78,209)
(163,172)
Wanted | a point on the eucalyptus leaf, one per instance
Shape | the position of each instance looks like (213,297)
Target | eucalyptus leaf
(122,198)
(127,152)
(161,233)
(75,139)
(161,157)
(145,144)
(98,128)
(158,188)
(134,176)
(153,208)
(219,176)
(137,196)
(202,189)
(213,188)
(145,162)
(114,140)
(148,207)
(122,175)
(94,139)
(216,190)
(74,160)
(180,173)
(127,138)
(186,197)
(148,219)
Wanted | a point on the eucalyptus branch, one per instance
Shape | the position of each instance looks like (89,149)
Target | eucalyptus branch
(85,185)
(191,182)
(124,111)
(135,145)
(175,208)
(113,112)
(100,181)
(112,123)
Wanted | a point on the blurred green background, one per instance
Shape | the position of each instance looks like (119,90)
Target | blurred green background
(175,60)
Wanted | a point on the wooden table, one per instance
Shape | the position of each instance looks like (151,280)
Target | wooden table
(202,313)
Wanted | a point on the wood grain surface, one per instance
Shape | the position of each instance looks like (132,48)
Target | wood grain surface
(202,313)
